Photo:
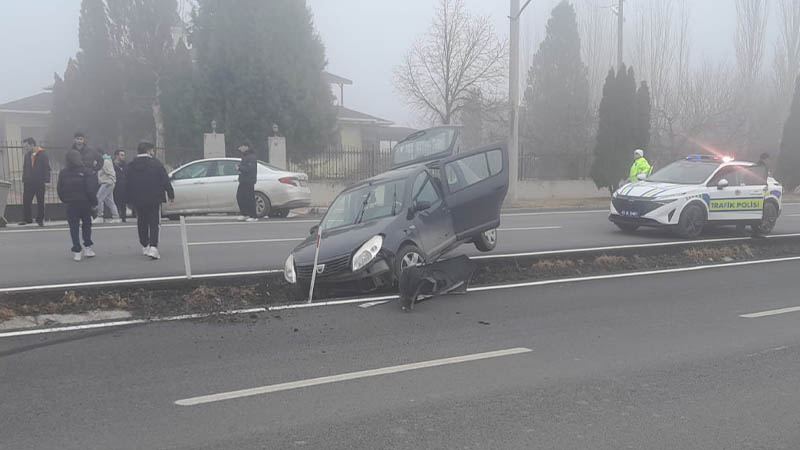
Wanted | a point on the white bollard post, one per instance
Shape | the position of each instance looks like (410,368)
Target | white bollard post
(314,267)
(186,262)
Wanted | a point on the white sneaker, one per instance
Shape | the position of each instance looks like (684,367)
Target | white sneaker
(116,220)
(146,251)
(89,253)
(251,219)
(154,253)
(76,256)
(241,218)
(98,220)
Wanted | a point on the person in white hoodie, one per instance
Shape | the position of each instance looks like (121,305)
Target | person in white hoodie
(107,177)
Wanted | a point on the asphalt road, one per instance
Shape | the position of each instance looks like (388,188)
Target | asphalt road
(657,362)
(33,256)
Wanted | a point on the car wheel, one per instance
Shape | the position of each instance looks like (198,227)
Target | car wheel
(692,221)
(768,220)
(263,206)
(627,227)
(281,213)
(486,241)
(408,256)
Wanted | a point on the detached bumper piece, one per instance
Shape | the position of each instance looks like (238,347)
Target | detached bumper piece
(439,278)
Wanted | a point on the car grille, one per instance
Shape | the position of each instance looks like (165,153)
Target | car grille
(333,267)
(632,207)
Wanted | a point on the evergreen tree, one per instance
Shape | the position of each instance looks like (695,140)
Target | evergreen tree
(261,63)
(183,128)
(557,95)
(788,170)
(641,137)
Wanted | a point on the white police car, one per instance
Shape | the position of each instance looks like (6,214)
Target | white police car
(700,190)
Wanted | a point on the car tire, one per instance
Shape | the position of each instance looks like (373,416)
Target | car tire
(406,256)
(486,241)
(279,213)
(263,205)
(692,221)
(770,217)
(627,227)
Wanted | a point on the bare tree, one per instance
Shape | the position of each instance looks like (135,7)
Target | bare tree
(460,53)
(597,29)
(751,27)
(787,53)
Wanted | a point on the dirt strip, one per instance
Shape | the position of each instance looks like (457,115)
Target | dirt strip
(216,296)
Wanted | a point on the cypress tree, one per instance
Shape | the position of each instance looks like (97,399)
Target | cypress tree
(642,128)
(788,170)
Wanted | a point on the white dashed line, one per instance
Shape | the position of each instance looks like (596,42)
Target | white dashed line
(773,312)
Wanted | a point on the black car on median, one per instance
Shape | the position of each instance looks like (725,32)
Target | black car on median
(435,198)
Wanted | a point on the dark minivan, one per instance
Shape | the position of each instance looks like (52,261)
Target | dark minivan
(435,198)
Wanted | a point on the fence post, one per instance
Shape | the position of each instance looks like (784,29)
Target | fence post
(186,261)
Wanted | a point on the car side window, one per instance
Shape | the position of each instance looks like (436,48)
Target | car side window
(227,168)
(753,175)
(197,170)
(467,171)
(729,173)
(495,158)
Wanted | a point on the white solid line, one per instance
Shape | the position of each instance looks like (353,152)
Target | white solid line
(793,215)
(588,211)
(95,227)
(331,303)
(251,241)
(347,376)
(121,323)
(132,281)
(530,228)
(621,247)
(773,312)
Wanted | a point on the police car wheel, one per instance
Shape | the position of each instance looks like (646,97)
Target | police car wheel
(627,227)
(768,220)
(692,221)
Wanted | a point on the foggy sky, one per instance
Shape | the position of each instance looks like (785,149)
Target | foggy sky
(364,40)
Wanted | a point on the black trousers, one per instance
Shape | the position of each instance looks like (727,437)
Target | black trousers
(122,207)
(246,197)
(77,213)
(31,190)
(147,220)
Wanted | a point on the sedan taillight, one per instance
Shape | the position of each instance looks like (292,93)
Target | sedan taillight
(288,180)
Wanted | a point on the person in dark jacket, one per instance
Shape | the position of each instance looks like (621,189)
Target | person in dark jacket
(147,187)
(35,178)
(119,189)
(77,187)
(248,175)
(91,158)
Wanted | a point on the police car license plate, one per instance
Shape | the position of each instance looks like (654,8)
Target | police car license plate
(629,213)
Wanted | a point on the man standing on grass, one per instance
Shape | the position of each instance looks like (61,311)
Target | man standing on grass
(147,187)
(35,178)
(248,175)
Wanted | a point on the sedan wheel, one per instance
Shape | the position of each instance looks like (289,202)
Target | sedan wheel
(768,220)
(692,221)
(486,241)
(408,256)
(263,205)
(411,259)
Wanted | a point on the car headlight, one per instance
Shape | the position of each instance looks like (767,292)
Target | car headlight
(288,270)
(367,252)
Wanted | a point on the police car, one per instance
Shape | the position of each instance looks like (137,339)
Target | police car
(700,190)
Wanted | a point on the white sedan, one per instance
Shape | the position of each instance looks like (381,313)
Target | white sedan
(209,186)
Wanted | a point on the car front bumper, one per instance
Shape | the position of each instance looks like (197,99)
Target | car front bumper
(375,275)
(640,212)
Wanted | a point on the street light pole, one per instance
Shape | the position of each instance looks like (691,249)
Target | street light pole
(620,29)
(513,94)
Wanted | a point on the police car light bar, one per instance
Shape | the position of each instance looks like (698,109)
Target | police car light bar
(709,158)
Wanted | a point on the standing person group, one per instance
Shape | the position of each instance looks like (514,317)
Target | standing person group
(147,187)
(35,178)
(248,176)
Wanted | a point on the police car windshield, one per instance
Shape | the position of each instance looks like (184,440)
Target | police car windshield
(684,172)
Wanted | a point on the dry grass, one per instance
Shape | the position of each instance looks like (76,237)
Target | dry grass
(6,313)
(554,264)
(719,253)
(610,260)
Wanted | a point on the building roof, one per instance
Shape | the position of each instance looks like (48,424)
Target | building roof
(352,116)
(39,103)
(335,79)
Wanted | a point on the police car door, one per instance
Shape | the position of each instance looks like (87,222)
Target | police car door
(753,187)
(732,200)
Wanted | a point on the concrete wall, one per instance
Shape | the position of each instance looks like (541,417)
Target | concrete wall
(350,136)
(323,193)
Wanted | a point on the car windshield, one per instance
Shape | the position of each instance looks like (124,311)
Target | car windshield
(424,144)
(364,204)
(684,172)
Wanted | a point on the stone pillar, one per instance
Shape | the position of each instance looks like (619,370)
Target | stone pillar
(213,145)
(277,151)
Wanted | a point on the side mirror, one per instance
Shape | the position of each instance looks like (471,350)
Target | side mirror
(417,207)
(313,230)
(722,184)
(641,176)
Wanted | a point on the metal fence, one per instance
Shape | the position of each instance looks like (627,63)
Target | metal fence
(344,164)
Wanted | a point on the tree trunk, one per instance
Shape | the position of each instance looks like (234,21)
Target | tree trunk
(157,116)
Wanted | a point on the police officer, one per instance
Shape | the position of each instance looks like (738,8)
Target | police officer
(640,166)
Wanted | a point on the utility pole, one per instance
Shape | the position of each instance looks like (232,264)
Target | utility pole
(513,94)
(620,26)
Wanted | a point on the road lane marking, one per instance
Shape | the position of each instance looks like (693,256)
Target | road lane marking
(590,211)
(347,377)
(530,228)
(793,215)
(169,225)
(773,312)
(251,241)
(46,287)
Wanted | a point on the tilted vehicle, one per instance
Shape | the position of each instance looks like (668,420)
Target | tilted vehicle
(435,198)
(209,186)
(700,190)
